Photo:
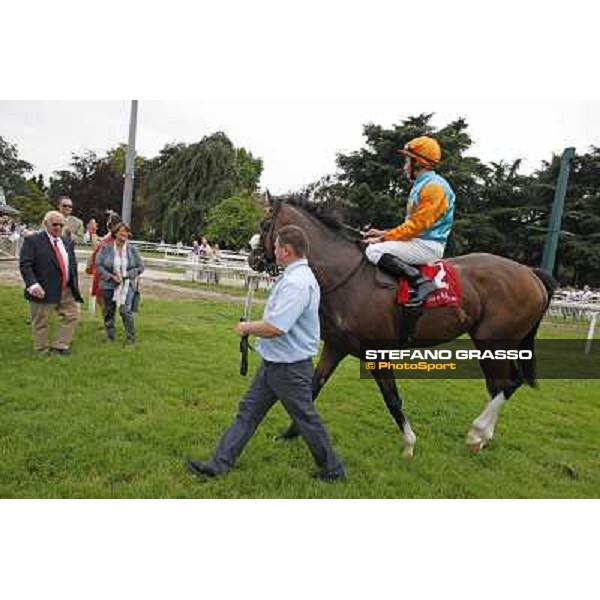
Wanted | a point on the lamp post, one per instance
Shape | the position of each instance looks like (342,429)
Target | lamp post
(549,256)
(129,165)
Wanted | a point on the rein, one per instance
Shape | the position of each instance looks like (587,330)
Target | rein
(354,230)
(343,281)
(269,236)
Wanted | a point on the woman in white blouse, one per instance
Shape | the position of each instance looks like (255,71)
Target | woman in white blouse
(119,265)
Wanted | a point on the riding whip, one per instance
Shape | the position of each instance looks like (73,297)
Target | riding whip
(244,339)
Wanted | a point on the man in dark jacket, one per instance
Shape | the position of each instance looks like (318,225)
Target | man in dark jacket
(49,270)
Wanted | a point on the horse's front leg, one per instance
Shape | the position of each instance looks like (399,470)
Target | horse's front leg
(393,401)
(328,361)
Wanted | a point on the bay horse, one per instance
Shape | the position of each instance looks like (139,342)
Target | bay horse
(501,300)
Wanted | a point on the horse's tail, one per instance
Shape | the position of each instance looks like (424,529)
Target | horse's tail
(549,283)
(527,343)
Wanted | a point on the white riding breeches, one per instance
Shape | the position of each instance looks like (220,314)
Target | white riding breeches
(413,252)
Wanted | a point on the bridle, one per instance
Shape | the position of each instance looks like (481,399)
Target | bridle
(263,256)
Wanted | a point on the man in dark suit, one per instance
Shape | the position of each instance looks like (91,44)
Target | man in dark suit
(49,270)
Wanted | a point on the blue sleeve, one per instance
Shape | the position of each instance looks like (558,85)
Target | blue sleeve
(287,306)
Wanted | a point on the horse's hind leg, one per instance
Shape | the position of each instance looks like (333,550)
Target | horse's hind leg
(328,361)
(483,427)
(502,379)
(393,401)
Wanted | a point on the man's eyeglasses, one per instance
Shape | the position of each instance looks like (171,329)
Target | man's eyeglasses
(57,224)
(67,205)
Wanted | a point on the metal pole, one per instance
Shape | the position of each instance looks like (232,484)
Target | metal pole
(590,336)
(129,165)
(549,256)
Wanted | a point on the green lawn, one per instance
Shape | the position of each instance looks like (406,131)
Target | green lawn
(108,422)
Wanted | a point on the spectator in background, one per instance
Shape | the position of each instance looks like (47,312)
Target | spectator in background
(216,258)
(205,250)
(586,294)
(195,258)
(119,265)
(216,253)
(23,233)
(91,233)
(73,226)
(49,269)
(16,237)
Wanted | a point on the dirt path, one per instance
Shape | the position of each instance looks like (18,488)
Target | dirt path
(159,289)
(9,275)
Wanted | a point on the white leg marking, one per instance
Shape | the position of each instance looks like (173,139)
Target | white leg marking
(482,430)
(410,439)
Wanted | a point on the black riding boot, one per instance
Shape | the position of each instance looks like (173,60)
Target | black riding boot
(421,286)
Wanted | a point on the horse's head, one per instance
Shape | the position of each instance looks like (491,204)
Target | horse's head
(262,255)
(330,239)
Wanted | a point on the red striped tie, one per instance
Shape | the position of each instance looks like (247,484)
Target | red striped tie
(61,262)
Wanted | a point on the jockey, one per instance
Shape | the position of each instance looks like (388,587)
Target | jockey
(429,214)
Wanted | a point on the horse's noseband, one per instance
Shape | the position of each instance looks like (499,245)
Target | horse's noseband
(258,259)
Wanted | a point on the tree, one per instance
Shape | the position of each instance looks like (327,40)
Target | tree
(33,205)
(117,158)
(233,221)
(94,183)
(188,181)
(248,171)
(499,217)
(579,246)
(370,186)
(12,169)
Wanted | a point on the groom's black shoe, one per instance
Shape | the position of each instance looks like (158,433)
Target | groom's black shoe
(201,468)
(331,476)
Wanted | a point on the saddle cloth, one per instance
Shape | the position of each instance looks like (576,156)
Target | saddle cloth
(448,292)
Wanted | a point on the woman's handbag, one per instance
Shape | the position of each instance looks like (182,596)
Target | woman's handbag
(135,304)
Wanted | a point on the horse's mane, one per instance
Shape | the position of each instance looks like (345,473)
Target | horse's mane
(319,211)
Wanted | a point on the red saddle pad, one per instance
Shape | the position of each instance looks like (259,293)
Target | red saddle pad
(448,292)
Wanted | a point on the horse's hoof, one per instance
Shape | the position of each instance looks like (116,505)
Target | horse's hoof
(476,447)
(476,440)
(479,437)
(408,452)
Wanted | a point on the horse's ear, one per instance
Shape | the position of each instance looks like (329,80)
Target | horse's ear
(268,199)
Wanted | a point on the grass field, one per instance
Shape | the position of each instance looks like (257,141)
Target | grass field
(108,422)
